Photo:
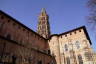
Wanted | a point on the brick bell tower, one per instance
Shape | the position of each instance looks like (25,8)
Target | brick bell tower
(43,24)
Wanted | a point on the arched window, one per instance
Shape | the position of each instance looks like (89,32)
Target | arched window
(66,47)
(68,60)
(80,59)
(77,44)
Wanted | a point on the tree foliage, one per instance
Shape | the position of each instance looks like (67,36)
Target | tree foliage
(92,17)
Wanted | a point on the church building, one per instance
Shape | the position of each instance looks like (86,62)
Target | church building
(72,47)
(21,45)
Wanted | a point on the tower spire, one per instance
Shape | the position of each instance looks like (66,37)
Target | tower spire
(43,24)
(43,10)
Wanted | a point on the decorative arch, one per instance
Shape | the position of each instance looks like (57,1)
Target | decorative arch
(80,59)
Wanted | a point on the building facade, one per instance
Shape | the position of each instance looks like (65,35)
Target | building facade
(73,47)
(21,45)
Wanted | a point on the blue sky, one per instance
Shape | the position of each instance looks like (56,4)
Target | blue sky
(64,15)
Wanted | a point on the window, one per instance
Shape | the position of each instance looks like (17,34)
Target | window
(80,59)
(13,59)
(39,62)
(8,20)
(48,51)
(88,56)
(66,47)
(77,44)
(23,29)
(75,32)
(79,30)
(66,35)
(8,36)
(68,60)
(29,60)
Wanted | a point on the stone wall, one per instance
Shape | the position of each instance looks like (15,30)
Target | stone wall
(23,54)
(72,47)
